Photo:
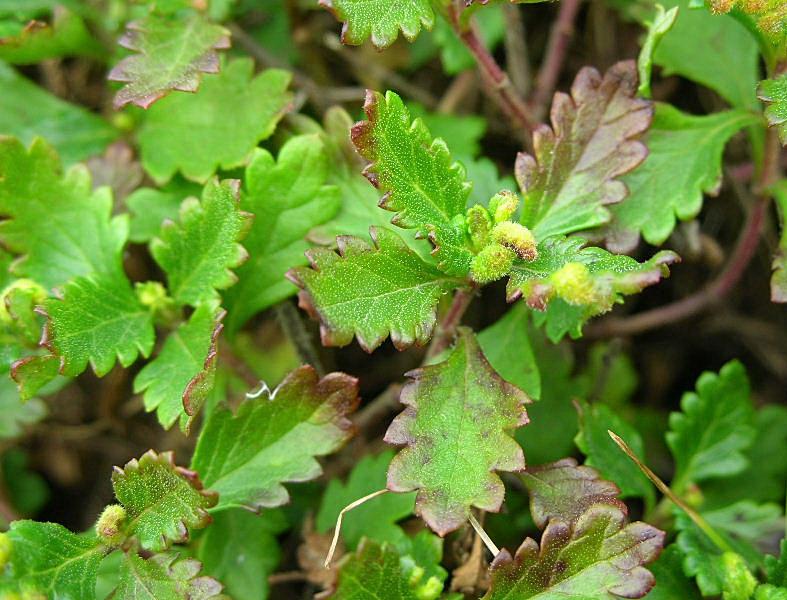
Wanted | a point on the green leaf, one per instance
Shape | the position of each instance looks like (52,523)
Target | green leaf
(490,24)
(37,41)
(661,23)
(27,111)
(377,571)
(169,142)
(595,420)
(32,373)
(588,280)
(497,340)
(690,149)
(240,550)
(567,185)
(150,207)
(776,568)
(563,491)
(779,277)
(162,500)
(375,519)
(27,489)
(164,577)
(461,133)
(599,558)
(198,252)
(766,470)
(422,184)
(275,439)
(177,381)
(671,583)
(396,292)
(171,54)
(59,226)
(774,93)
(287,197)
(47,559)
(99,320)
(709,436)
(487,180)
(456,428)
(713,50)
(743,527)
(380,20)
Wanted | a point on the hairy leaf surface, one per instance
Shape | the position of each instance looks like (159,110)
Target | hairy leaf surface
(99,320)
(177,381)
(59,226)
(456,430)
(170,142)
(371,291)
(288,197)
(171,53)
(594,139)
(380,20)
(198,252)
(564,490)
(690,149)
(164,577)
(599,558)
(271,440)
(162,501)
(47,559)
(422,184)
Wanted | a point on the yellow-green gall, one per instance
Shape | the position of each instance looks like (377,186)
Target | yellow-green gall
(431,590)
(492,263)
(739,583)
(5,550)
(109,526)
(573,283)
(153,295)
(503,205)
(416,574)
(516,237)
(479,226)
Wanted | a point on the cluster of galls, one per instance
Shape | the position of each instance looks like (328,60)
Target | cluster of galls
(496,240)
(771,15)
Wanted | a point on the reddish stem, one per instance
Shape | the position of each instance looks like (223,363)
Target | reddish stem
(557,47)
(446,330)
(498,85)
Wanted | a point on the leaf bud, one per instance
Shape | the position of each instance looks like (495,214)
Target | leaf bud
(153,295)
(516,237)
(431,590)
(503,205)
(573,283)
(479,225)
(492,263)
(110,524)
(37,292)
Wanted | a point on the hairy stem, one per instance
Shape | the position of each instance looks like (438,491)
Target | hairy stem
(292,324)
(557,47)
(446,330)
(498,85)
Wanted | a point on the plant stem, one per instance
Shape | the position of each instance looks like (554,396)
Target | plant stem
(748,240)
(557,47)
(498,85)
(516,49)
(291,323)
(446,330)
(483,535)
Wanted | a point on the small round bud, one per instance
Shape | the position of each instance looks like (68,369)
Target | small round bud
(739,583)
(492,263)
(5,550)
(110,524)
(153,295)
(479,224)
(503,205)
(516,237)
(416,574)
(573,283)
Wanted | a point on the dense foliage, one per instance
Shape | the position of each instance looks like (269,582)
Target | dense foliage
(176,174)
